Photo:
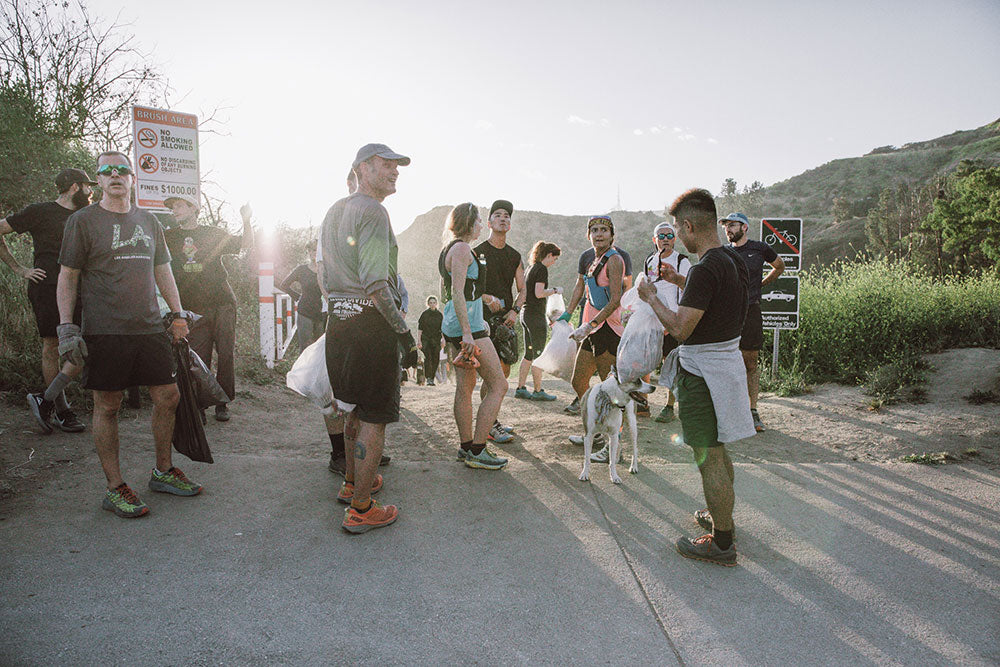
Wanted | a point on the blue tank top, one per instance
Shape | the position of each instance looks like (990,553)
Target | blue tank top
(473,307)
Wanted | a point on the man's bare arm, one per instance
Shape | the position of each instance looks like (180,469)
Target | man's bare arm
(679,323)
(777,268)
(33,274)
(168,288)
(66,288)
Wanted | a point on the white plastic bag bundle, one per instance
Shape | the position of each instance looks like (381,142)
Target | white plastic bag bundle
(554,306)
(559,355)
(309,377)
(641,347)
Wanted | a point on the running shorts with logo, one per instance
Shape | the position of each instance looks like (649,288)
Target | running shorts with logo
(752,337)
(362,359)
(536,330)
(118,361)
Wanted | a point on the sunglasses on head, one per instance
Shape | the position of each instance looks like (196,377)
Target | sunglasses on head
(119,169)
(665,237)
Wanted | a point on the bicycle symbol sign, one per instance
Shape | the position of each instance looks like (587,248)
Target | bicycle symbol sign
(784,236)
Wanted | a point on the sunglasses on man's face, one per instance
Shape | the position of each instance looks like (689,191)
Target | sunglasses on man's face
(118,169)
(665,237)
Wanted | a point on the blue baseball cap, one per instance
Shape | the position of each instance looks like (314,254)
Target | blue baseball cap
(735,217)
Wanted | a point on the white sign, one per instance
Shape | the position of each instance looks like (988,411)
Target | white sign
(779,303)
(166,156)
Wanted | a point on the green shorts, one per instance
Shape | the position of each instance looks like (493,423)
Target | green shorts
(696,411)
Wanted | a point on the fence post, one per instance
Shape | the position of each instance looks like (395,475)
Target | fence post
(265,291)
(774,357)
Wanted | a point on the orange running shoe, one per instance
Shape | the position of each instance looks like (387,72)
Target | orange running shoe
(346,494)
(377,516)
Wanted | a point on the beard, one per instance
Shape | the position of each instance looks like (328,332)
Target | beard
(81,199)
(735,236)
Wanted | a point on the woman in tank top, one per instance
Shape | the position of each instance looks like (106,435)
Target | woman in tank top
(465,330)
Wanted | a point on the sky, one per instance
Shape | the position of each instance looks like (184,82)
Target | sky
(557,106)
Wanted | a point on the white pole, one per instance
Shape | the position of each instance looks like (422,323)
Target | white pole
(265,291)
(774,357)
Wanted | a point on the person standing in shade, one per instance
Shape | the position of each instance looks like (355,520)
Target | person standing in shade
(706,370)
(115,255)
(536,326)
(465,329)
(196,252)
(309,303)
(755,254)
(45,223)
(602,328)
(504,268)
(429,326)
(664,261)
(365,329)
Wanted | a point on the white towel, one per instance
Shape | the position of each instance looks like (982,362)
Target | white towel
(721,365)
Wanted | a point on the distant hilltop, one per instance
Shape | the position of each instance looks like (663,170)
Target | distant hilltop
(811,195)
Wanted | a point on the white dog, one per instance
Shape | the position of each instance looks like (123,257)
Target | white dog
(602,408)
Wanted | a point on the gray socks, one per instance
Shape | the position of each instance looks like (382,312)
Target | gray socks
(54,392)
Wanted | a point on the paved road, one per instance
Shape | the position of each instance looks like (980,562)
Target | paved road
(840,563)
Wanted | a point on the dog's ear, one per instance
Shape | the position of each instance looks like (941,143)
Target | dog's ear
(646,388)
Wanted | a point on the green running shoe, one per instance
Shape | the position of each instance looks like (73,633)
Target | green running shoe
(173,481)
(541,395)
(124,502)
(522,392)
(485,460)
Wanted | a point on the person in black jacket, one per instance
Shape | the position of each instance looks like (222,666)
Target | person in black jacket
(429,326)
(309,302)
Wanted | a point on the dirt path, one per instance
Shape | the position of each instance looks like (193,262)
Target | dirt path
(833,423)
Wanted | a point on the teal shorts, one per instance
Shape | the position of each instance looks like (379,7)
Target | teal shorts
(696,411)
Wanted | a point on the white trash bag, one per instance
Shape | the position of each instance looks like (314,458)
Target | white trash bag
(554,307)
(310,378)
(559,354)
(641,348)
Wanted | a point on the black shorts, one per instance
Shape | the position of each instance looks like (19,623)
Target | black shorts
(536,330)
(43,303)
(457,340)
(362,359)
(669,344)
(603,340)
(752,337)
(116,362)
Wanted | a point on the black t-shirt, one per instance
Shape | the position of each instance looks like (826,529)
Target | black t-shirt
(429,325)
(197,264)
(717,285)
(537,273)
(501,266)
(587,258)
(755,253)
(310,300)
(45,222)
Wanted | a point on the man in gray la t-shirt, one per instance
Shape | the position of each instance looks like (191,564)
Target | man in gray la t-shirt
(117,256)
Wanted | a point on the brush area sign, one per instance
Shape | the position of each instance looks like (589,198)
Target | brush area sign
(166,156)
(779,303)
(784,236)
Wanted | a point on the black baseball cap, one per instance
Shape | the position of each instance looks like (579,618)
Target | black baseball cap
(67,177)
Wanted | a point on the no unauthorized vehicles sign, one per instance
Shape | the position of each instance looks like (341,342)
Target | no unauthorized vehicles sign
(784,236)
(166,156)
(779,303)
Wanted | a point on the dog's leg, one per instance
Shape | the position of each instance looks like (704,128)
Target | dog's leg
(634,468)
(614,448)
(588,445)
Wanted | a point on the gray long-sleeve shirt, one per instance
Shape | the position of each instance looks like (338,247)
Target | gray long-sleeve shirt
(358,246)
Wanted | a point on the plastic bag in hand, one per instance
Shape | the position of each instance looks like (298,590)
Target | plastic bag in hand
(554,306)
(207,388)
(559,355)
(641,348)
(309,377)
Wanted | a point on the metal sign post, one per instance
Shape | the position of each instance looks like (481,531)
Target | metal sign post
(774,357)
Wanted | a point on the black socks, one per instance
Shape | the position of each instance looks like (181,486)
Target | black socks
(723,538)
(475,449)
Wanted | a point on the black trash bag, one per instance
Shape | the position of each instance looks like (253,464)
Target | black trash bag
(208,389)
(189,432)
(505,341)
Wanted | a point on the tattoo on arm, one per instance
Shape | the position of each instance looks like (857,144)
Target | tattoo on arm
(360,451)
(385,304)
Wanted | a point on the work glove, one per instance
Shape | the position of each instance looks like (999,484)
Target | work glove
(582,332)
(409,347)
(72,347)
(565,317)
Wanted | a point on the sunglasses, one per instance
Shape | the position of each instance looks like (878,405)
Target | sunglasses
(665,237)
(119,169)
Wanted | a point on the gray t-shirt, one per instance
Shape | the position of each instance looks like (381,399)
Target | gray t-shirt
(359,248)
(115,253)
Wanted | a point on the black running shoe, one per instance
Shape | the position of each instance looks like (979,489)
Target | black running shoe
(67,421)
(42,411)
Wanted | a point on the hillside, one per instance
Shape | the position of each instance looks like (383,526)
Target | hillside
(808,196)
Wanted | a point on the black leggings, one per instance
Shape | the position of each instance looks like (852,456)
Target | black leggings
(536,330)
(432,357)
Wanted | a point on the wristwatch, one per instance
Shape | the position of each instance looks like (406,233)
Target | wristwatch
(178,315)
(516,309)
